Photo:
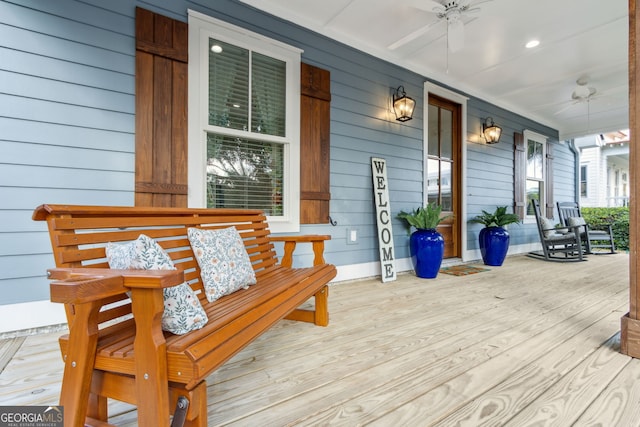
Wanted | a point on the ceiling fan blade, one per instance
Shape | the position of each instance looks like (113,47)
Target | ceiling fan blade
(426,5)
(565,108)
(475,3)
(455,35)
(411,36)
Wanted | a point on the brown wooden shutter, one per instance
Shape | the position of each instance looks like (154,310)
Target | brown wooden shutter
(519,180)
(315,101)
(161,110)
(548,183)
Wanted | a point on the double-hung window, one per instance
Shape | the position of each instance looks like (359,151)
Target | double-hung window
(535,185)
(583,181)
(244,119)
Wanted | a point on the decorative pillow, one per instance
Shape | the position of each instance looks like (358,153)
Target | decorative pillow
(224,263)
(182,309)
(574,221)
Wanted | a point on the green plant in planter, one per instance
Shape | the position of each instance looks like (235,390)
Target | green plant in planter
(423,218)
(493,238)
(426,245)
(499,218)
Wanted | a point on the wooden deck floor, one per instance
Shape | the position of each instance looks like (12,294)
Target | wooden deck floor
(531,343)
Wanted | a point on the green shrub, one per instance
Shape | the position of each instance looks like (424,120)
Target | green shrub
(598,218)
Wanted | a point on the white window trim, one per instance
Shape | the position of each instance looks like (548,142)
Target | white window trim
(201,28)
(586,180)
(537,137)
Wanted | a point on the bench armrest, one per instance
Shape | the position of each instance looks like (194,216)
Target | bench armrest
(86,288)
(290,242)
(82,285)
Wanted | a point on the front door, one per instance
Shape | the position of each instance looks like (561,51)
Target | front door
(443,168)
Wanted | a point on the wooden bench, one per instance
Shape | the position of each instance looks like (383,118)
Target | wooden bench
(116,347)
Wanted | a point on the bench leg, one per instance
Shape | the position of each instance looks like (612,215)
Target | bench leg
(78,364)
(322,307)
(98,407)
(198,406)
(197,411)
(151,382)
(319,315)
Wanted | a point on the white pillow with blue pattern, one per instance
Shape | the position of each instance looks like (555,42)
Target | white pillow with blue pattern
(182,309)
(225,266)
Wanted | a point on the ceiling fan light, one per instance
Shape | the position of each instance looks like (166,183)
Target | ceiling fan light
(581,92)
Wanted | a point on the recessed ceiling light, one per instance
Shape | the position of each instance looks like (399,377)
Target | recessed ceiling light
(532,44)
(216,48)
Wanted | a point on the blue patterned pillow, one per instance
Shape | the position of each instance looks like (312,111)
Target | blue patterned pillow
(182,309)
(224,263)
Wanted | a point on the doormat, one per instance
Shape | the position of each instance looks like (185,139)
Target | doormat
(462,270)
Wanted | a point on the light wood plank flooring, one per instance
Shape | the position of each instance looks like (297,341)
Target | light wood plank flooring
(531,343)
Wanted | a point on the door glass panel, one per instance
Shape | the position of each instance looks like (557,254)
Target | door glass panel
(442,170)
(446,200)
(433,181)
(446,138)
(432,142)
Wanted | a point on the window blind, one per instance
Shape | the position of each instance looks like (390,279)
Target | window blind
(244,173)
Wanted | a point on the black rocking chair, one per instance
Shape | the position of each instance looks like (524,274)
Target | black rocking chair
(570,215)
(558,244)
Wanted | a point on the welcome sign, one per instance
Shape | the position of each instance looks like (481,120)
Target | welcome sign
(383,218)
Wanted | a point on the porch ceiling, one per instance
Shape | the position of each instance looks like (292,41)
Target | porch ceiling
(578,38)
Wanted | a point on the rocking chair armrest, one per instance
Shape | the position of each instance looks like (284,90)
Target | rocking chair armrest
(562,230)
(605,227)
(575,229)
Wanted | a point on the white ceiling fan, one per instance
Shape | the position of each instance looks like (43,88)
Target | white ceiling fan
(581,94)
(450,11)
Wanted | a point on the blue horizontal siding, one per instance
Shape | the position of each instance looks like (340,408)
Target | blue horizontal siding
(22,198)
(60,156)
(38,110)
(102,57)
(46,133)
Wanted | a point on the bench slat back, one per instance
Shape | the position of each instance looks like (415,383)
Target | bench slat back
(79,235)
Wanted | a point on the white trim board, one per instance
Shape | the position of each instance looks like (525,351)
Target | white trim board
(31,315)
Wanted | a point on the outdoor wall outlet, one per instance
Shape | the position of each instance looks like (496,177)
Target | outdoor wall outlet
(352,236)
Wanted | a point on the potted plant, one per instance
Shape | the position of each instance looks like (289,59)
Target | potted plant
(426,245)
(494,239)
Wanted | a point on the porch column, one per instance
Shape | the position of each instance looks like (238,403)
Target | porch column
(630,324)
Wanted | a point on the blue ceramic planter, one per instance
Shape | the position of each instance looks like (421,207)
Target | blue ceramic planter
(427,250)
(494,244)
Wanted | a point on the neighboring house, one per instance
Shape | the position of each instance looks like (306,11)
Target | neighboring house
(75,108)
(604,169)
